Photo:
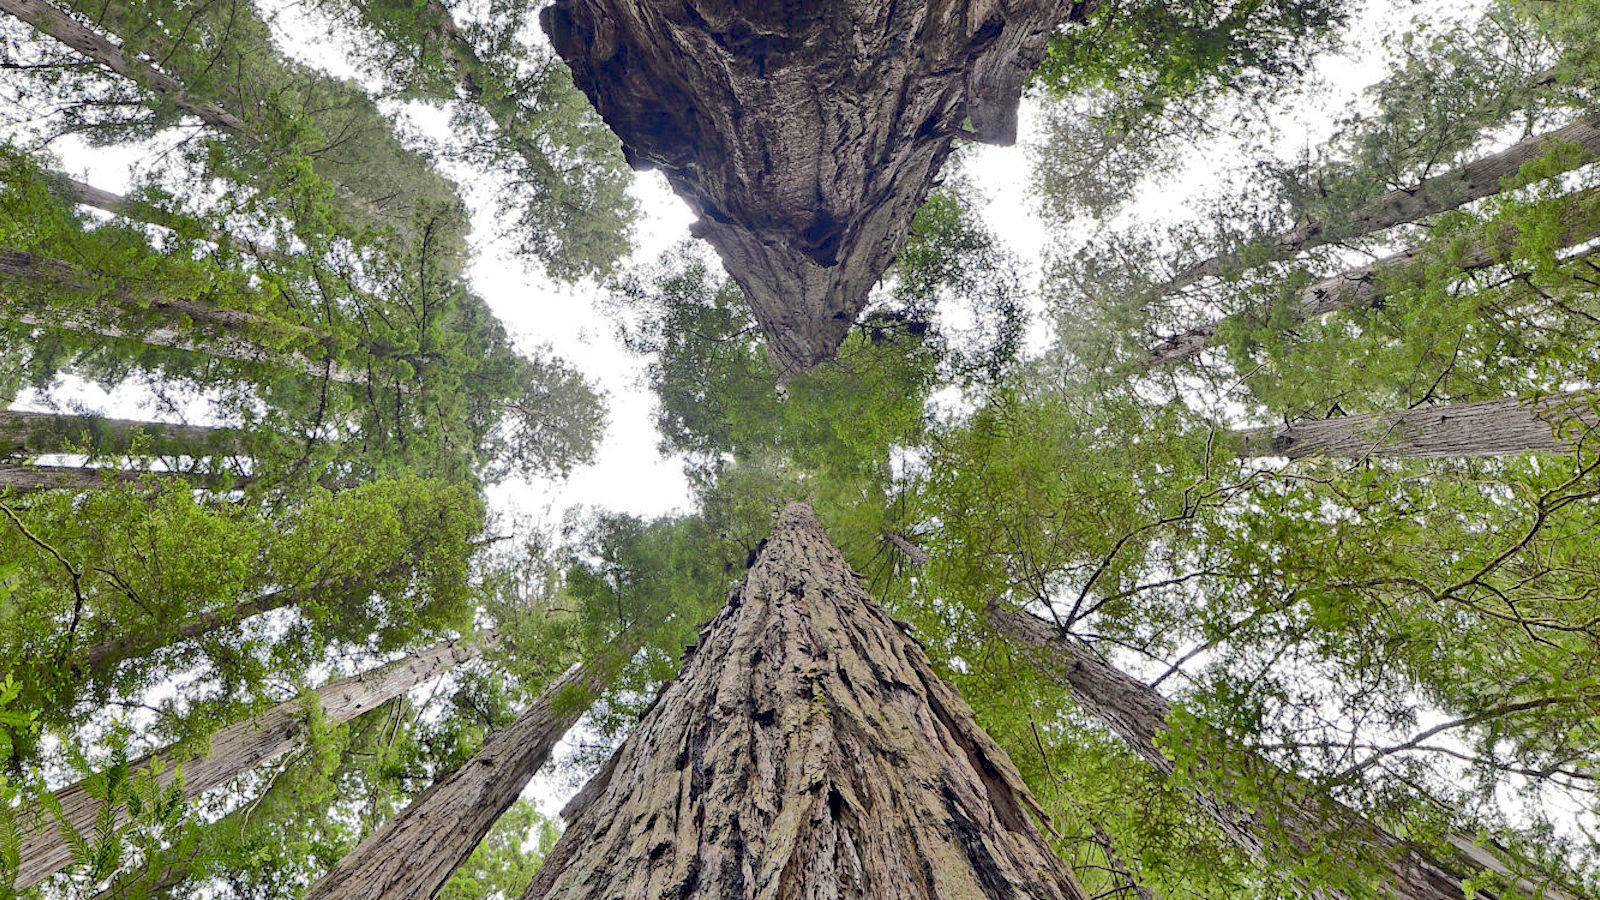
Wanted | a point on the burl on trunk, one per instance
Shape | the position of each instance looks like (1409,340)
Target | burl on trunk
(807,750)
(804,134)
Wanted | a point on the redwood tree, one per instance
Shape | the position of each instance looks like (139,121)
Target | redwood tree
(807,749)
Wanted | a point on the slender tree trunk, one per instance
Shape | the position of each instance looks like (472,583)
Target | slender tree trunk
(29,478)
(68,30)
(806,749)
(240,747)
(1552,424)
(1474,181)
(804,135)
(102,311)
(1311,826)
(415,853)
(1370,284)
(32,433)
(109,653)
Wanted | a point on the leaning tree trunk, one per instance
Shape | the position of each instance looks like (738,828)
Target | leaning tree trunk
(1553,424)
(27,479)
(1370,285)
(806,749)
(1474,181)
(26,434)
(415,853)
(237,749)
(804,135)
(1303,824)
(68,30)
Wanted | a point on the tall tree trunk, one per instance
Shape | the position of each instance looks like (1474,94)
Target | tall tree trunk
(227,326)
(806,749)
(804,135)
(68,30)
(415,853)
(1313,826)
(1474,181)
(108,653)
(24,479)
(1487,428)
(240,747)
(1370,284)
(33,433)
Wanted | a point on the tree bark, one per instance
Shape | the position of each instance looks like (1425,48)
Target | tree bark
(1488,428)
(32,433)
(29,478)
(415,853)
(805,750)
(239,747)
(1369,285)
(1474,181)
(68,30)
(804,136)
(30,268)
(1312,826)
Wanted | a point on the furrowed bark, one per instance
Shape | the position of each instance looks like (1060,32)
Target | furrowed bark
(1313,826)
(239,747)
(30,269)
(804,135)
(1552,424)
(415,853)
(807,749)
(1474,181)
(1369,285)
(32,433)
(68,30)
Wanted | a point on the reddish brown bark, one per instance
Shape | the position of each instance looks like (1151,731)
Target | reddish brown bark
(804,135)
(805,750)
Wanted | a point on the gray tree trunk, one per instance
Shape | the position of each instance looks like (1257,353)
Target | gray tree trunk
(804,135)
(1312,826)
(1474,181)
(415,853)
(1552,424)
(68,30)
(24,434)
(100,317)
(240,747)
(1370,284)
(108,653)
(805,750)
(25,479)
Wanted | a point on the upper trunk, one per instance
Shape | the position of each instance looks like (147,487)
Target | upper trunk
(1370,285)
(1474,181)
(804,135)
(805,750)
(1487,428)
(1304,824)
(415,853)
(237,749)
(28,478)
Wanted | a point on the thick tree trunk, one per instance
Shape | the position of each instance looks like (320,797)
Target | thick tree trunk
(415,853)
(68,30)
(805,750)
(804,135)
(25,479)
(100,315)
(1312,826)
(1474,181)
(1550,424)
(1369,285)
(240,747)
(32,433)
